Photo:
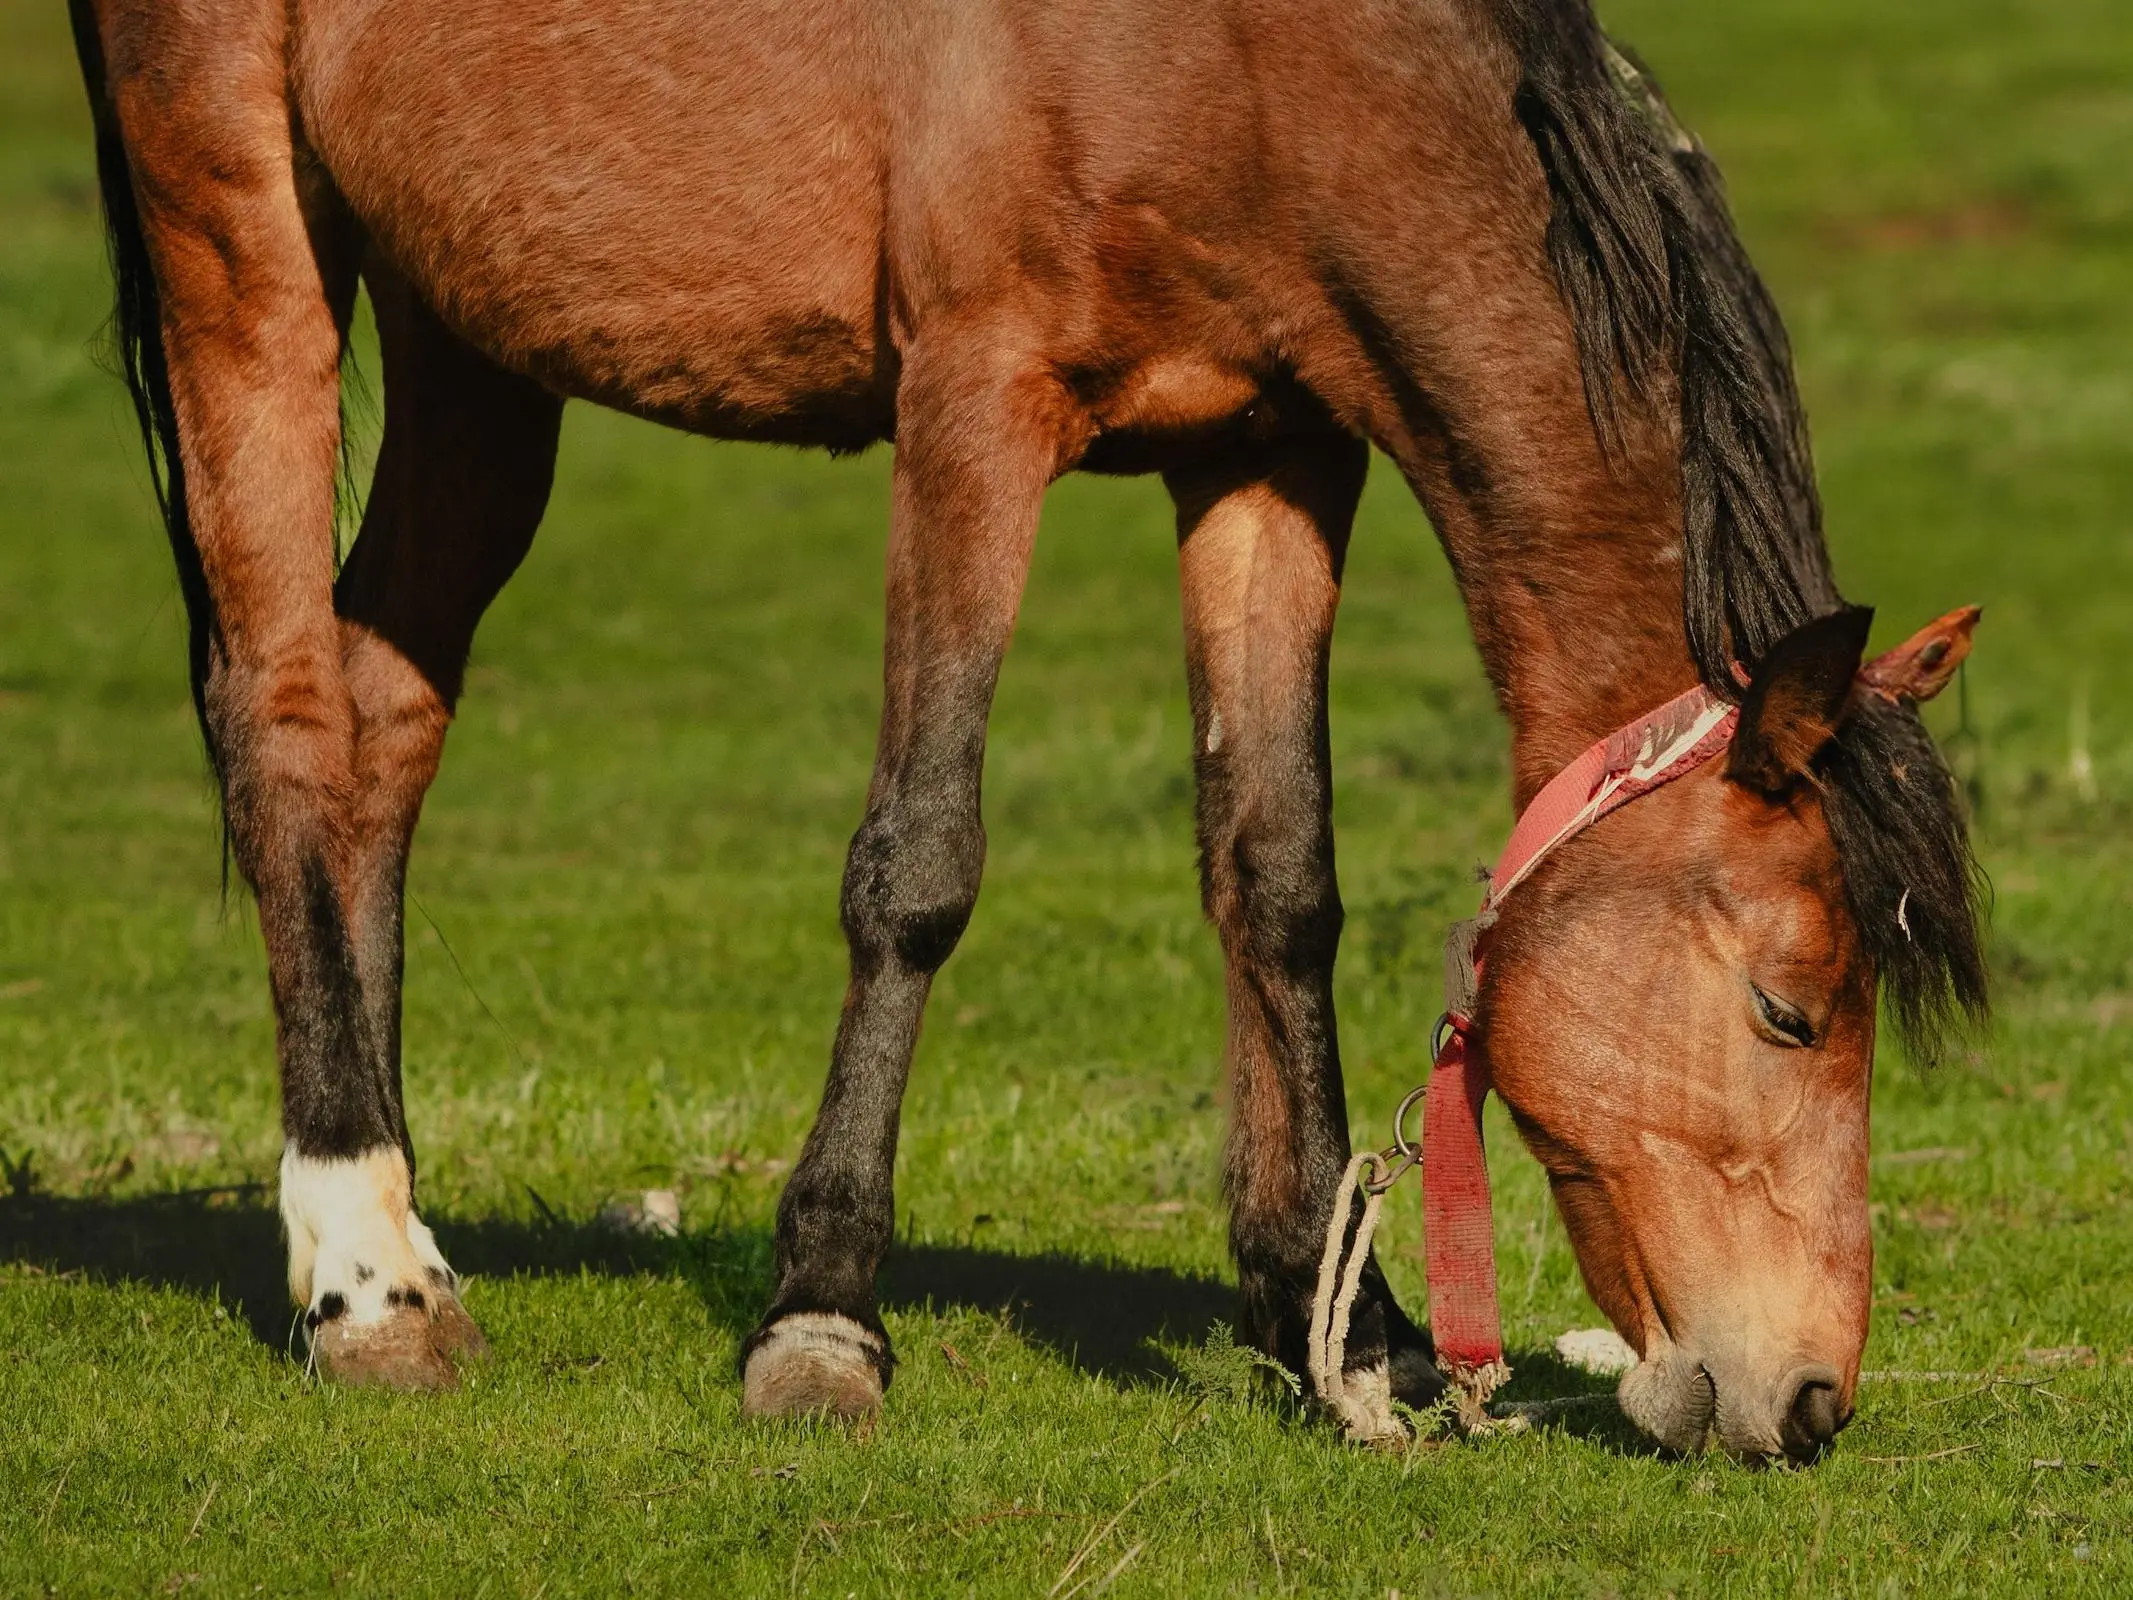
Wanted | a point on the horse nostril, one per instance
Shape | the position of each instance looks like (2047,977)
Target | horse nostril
(1812,1420)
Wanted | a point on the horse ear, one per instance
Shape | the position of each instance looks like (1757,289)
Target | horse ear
(1920,667)
(1795,698)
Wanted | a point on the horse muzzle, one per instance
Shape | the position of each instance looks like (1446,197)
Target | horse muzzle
(1687,1403)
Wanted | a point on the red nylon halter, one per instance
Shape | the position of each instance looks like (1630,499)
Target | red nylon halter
(1460,1230)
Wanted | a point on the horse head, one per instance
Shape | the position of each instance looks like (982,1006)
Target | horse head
(1679,1010)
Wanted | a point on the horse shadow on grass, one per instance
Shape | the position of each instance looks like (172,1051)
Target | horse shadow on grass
(1104,1319)
(224,1245)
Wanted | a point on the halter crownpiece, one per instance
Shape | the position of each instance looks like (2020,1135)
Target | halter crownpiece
(1460,1241)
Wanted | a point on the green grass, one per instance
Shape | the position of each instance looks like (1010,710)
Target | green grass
(625,969)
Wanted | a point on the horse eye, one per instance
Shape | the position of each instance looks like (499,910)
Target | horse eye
(1788,1025)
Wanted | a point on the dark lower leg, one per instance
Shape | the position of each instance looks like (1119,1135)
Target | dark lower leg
(284,729)
(462,480)
(910,883)
(1262,540)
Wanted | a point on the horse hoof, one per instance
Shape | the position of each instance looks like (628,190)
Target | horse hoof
(382,1304)
(414,1348)
(815,1363)
(455,1333)
(1363,1408)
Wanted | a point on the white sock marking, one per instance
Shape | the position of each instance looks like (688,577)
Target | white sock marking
(353,1234)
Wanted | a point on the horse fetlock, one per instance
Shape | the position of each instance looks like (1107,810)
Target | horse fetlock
(381,1304)
(814,1363)
(1361,1404)
(1416,1380)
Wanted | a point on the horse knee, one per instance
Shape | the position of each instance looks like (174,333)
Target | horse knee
(1268,884)
(401,719)
(283,736)
(911,882)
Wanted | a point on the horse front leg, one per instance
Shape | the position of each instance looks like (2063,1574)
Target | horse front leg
(462,480)
(1262,536)
(964,519)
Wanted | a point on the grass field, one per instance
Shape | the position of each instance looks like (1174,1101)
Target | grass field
(625,966)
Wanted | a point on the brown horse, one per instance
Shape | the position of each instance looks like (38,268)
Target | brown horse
(1236,242)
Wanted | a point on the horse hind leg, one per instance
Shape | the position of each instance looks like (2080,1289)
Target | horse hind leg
(462,479)
(1262,535)
(250,281)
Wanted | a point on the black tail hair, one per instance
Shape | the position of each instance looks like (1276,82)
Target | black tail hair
(137,344)
(1653,273)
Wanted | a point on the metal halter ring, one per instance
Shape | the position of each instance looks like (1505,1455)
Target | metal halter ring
(1439,1031)
(1390,1165)
(1405,1146)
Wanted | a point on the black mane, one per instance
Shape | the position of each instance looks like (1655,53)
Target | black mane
(1653,274)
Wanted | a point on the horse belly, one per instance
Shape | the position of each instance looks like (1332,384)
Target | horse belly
(666,206)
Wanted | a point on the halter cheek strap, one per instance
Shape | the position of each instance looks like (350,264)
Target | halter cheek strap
(1464,1320)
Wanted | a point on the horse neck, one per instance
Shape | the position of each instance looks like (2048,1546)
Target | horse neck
(1575,601)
